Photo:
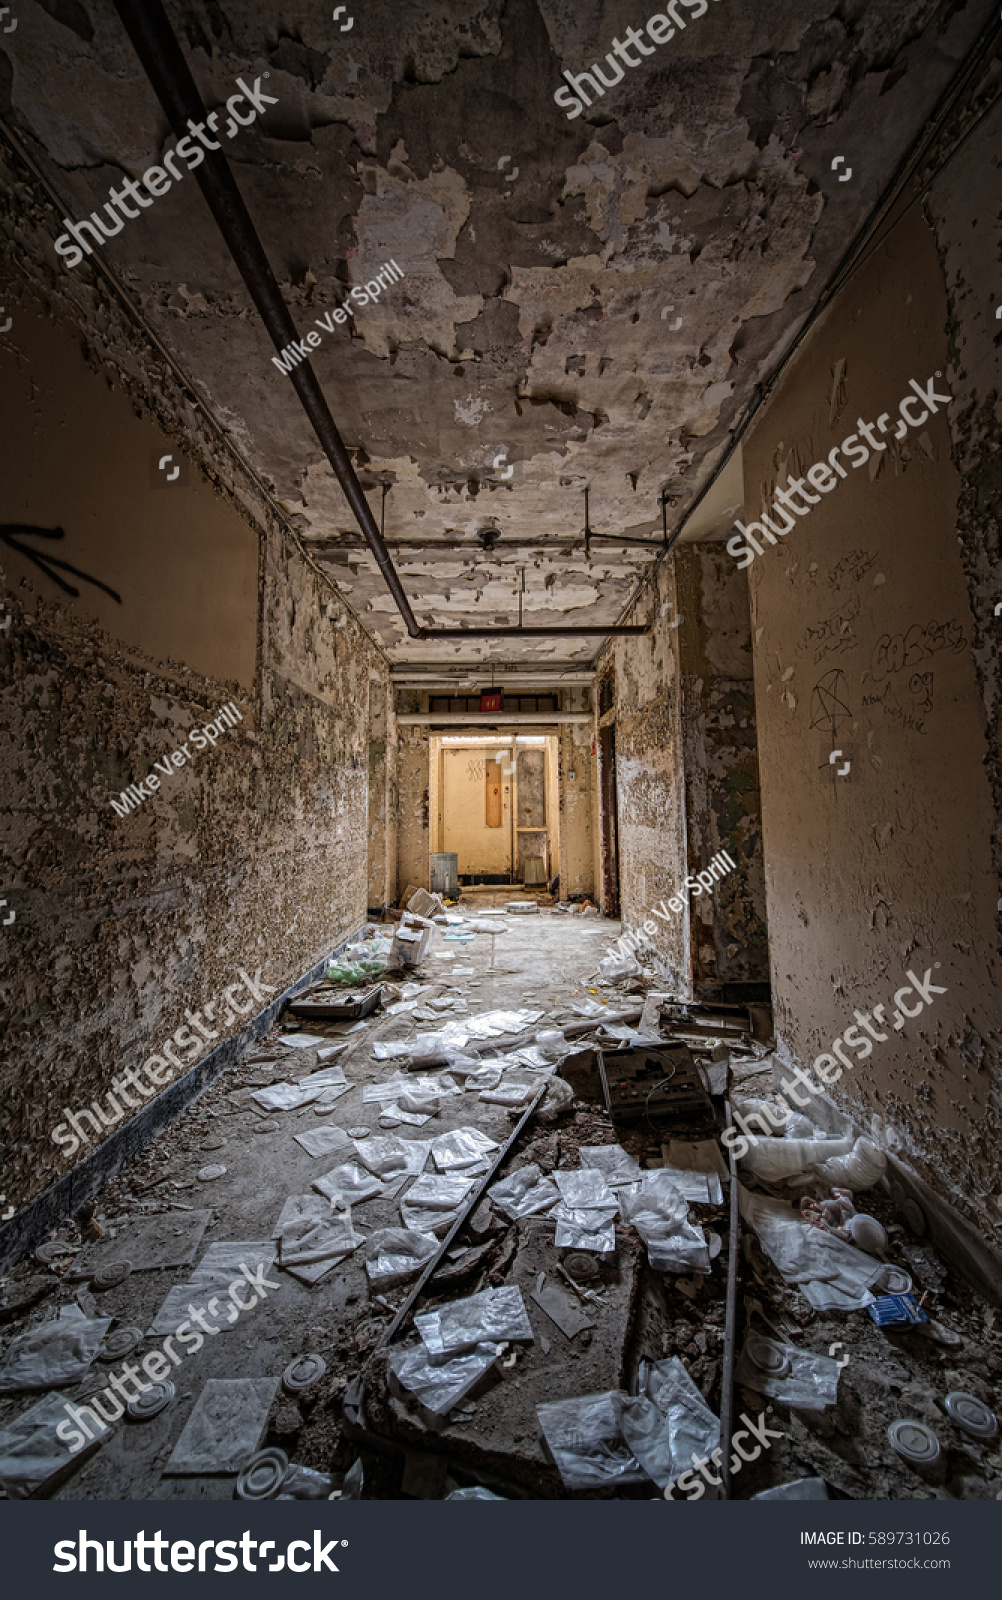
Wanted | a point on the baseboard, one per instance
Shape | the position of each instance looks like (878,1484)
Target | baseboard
(26,1230)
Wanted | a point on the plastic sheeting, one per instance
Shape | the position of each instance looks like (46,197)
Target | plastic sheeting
(612,1161)
(310,1234)
(804,1381)
(514,1089)
(392,1255)
(832,1274)
(492,1315)
(462,1149)
(387,1156)
(492,1024)
(526,1193)
(58,1352)
(668,1422)
(439,1385)
(349,1185)
(660,1214)
(586,1440)
(433,1203)
(585,1189)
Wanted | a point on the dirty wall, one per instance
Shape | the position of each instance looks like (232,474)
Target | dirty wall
(865,644)
(248,856)
(723,811)
(645,712)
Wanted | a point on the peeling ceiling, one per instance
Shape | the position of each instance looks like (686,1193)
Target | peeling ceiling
(587,302)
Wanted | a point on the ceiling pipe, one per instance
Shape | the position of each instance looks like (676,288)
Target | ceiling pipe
(491,719)
(155,44)
(515,631)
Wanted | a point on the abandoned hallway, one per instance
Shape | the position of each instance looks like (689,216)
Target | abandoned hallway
(501,751)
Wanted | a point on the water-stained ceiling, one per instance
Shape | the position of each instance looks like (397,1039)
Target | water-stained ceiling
(586,301)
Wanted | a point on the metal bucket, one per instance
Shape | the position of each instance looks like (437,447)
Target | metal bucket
(443,870)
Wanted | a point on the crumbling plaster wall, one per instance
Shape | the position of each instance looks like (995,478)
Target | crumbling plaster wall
(649,773)
(577,800)
(889,868)
(412,791)
(723,812)
(251,856)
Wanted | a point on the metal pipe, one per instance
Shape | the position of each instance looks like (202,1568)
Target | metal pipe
(491,719)
(513,631)
(154,42)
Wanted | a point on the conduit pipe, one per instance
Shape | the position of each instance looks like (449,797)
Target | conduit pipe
(154,42)
(162,60)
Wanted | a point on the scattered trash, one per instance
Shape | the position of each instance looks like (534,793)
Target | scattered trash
(524,1193)
(831,1274)
(325,1141)
(349,1185)
(586,1441)
(437,1385)
(305,1483)
(896,1310)
(57,1352)
(395,1254)
(224,1428)
(493,1315)
(660,1213)
(782,1372)
(560,1309)
(33,1460)
(110,1276)
(147,1244)
(119,1344)
(432,1203)
(586,1213)
(618,1168)
(522,908)
(613,969)
(313,1237)
(462,1150)
(971,1415)
(261,1477)
(475,1492)
(914,1442)
(210,1174)
(302,1041)
(217,1269)
(303,1372)
(55,1250)
(155,1397)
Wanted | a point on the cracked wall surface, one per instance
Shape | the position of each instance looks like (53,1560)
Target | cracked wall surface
(248,857)
(863,634)
(584,302)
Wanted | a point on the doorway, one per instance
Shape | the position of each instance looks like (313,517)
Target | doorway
(494,805)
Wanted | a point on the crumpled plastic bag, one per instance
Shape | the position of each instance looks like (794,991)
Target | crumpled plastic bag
(388,1157)
(348,1185)
(559,1097)
(515,1089)
(660,1214)
(433,1202)
(804,1381)
(438,1385)
(492,1024)
(309,1232)
(462,1148)
(493,1314)
(585,1189)
(618,1168)
(585,1438)
(615,968)
(58,1352)
(669,1421)
(392,1255)
(592,1229)
(525,1193)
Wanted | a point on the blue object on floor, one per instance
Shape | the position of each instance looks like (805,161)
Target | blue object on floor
(894,1310)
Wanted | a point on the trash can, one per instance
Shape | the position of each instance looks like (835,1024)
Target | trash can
(443,872)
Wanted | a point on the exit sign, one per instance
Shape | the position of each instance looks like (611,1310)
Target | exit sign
(492,699)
